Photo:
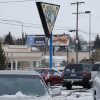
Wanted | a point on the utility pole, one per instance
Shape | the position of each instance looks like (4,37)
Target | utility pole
(77,3)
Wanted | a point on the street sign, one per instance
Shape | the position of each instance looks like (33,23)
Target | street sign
(48,14)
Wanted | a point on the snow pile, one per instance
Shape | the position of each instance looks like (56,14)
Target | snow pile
(21,96)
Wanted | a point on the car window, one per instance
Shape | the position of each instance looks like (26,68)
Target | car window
(95,67)
(38,70)
(77,67)
(41,71)
(87,68)
(56,73)
(51,72)
(26,84)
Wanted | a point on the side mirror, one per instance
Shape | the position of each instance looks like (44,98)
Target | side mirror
(56,92)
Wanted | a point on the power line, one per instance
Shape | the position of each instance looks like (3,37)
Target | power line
(20,22)
(20,25)
(16,1)
(9,22)
(80,30)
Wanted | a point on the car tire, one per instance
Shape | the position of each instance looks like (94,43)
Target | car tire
(68,86)
(49,84)
(86,83)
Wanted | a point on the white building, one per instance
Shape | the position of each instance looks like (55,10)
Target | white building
(56,60)
(22,56)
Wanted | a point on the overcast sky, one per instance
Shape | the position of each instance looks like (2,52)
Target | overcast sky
(27,12)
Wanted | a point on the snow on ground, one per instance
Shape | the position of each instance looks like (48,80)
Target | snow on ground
(76,93)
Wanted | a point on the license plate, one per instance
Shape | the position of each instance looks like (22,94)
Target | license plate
(73,74)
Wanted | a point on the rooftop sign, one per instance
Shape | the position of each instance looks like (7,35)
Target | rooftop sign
(37,40)
(60,40)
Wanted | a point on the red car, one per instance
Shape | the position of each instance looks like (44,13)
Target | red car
(51,77)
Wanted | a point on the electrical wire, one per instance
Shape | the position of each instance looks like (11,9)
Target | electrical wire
(19,23)
(16,1)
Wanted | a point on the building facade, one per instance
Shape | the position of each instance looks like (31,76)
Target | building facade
(23,57)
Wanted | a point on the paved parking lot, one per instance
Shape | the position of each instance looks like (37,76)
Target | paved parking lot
(76,93)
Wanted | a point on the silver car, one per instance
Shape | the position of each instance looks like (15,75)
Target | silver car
(96,86)
(94,70)
(23,85)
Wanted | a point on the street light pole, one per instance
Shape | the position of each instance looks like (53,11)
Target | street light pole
(89,12)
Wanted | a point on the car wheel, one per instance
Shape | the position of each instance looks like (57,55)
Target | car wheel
(86,85)
(49,84)
(68,86)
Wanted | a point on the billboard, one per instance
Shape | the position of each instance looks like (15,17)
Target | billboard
(59,40)
(35,40)
(48,14)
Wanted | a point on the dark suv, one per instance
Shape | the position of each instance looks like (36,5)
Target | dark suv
(77,74)
(51,76)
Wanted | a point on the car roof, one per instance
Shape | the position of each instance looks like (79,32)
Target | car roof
(47,68)
(98,62)
(18,72)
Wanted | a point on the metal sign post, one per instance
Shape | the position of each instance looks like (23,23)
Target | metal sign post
(51,51)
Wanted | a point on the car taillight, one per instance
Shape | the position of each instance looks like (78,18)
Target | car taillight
(84,72)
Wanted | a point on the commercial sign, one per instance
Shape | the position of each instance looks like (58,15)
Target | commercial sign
(48,14)
(59,40)
(36,40)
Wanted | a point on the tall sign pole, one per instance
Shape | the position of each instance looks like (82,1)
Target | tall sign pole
(48,14)
(51,51)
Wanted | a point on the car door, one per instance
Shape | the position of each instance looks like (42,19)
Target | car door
(56,77)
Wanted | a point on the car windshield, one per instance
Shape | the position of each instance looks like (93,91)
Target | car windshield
(95,67)
(26,84)
(41,71)
(77,67)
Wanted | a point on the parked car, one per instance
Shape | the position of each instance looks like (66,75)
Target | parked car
(51,76)
(94,70)
(23,85)
(96,86)
(77,74)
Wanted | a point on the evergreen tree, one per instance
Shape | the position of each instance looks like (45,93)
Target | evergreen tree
(95,56)
(8,39)
(97,42)
(2,59)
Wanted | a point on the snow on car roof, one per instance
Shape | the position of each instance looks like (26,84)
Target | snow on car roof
(18,72)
